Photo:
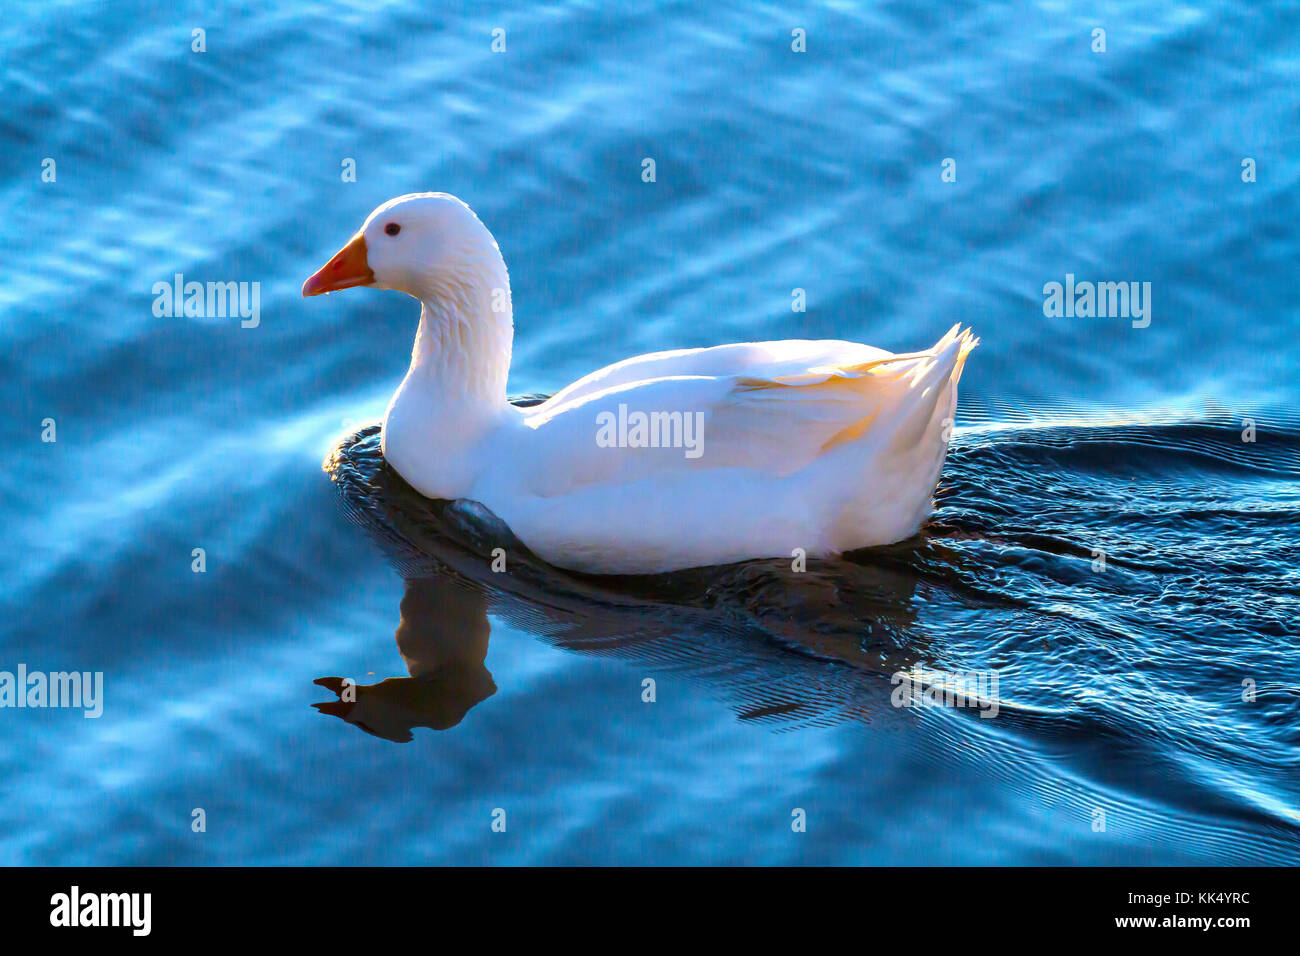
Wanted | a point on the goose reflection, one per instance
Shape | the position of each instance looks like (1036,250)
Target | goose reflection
(443,639)
(780,643)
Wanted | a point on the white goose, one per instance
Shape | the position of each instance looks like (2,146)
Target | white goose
(824,446)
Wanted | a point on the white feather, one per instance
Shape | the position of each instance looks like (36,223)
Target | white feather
(823,446)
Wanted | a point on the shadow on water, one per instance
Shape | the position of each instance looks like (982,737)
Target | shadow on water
(1126,585)
(786,646)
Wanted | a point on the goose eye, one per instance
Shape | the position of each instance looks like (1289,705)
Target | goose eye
(392,228)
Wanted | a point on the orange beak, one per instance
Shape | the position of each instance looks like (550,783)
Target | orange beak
(348,268)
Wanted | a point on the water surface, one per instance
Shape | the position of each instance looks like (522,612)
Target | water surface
(1119,691)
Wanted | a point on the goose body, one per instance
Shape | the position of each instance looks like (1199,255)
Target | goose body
(663,461)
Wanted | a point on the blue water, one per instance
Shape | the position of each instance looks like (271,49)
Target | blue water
(1120,691)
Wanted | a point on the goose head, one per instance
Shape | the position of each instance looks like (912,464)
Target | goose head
(432,246)
(428,245)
